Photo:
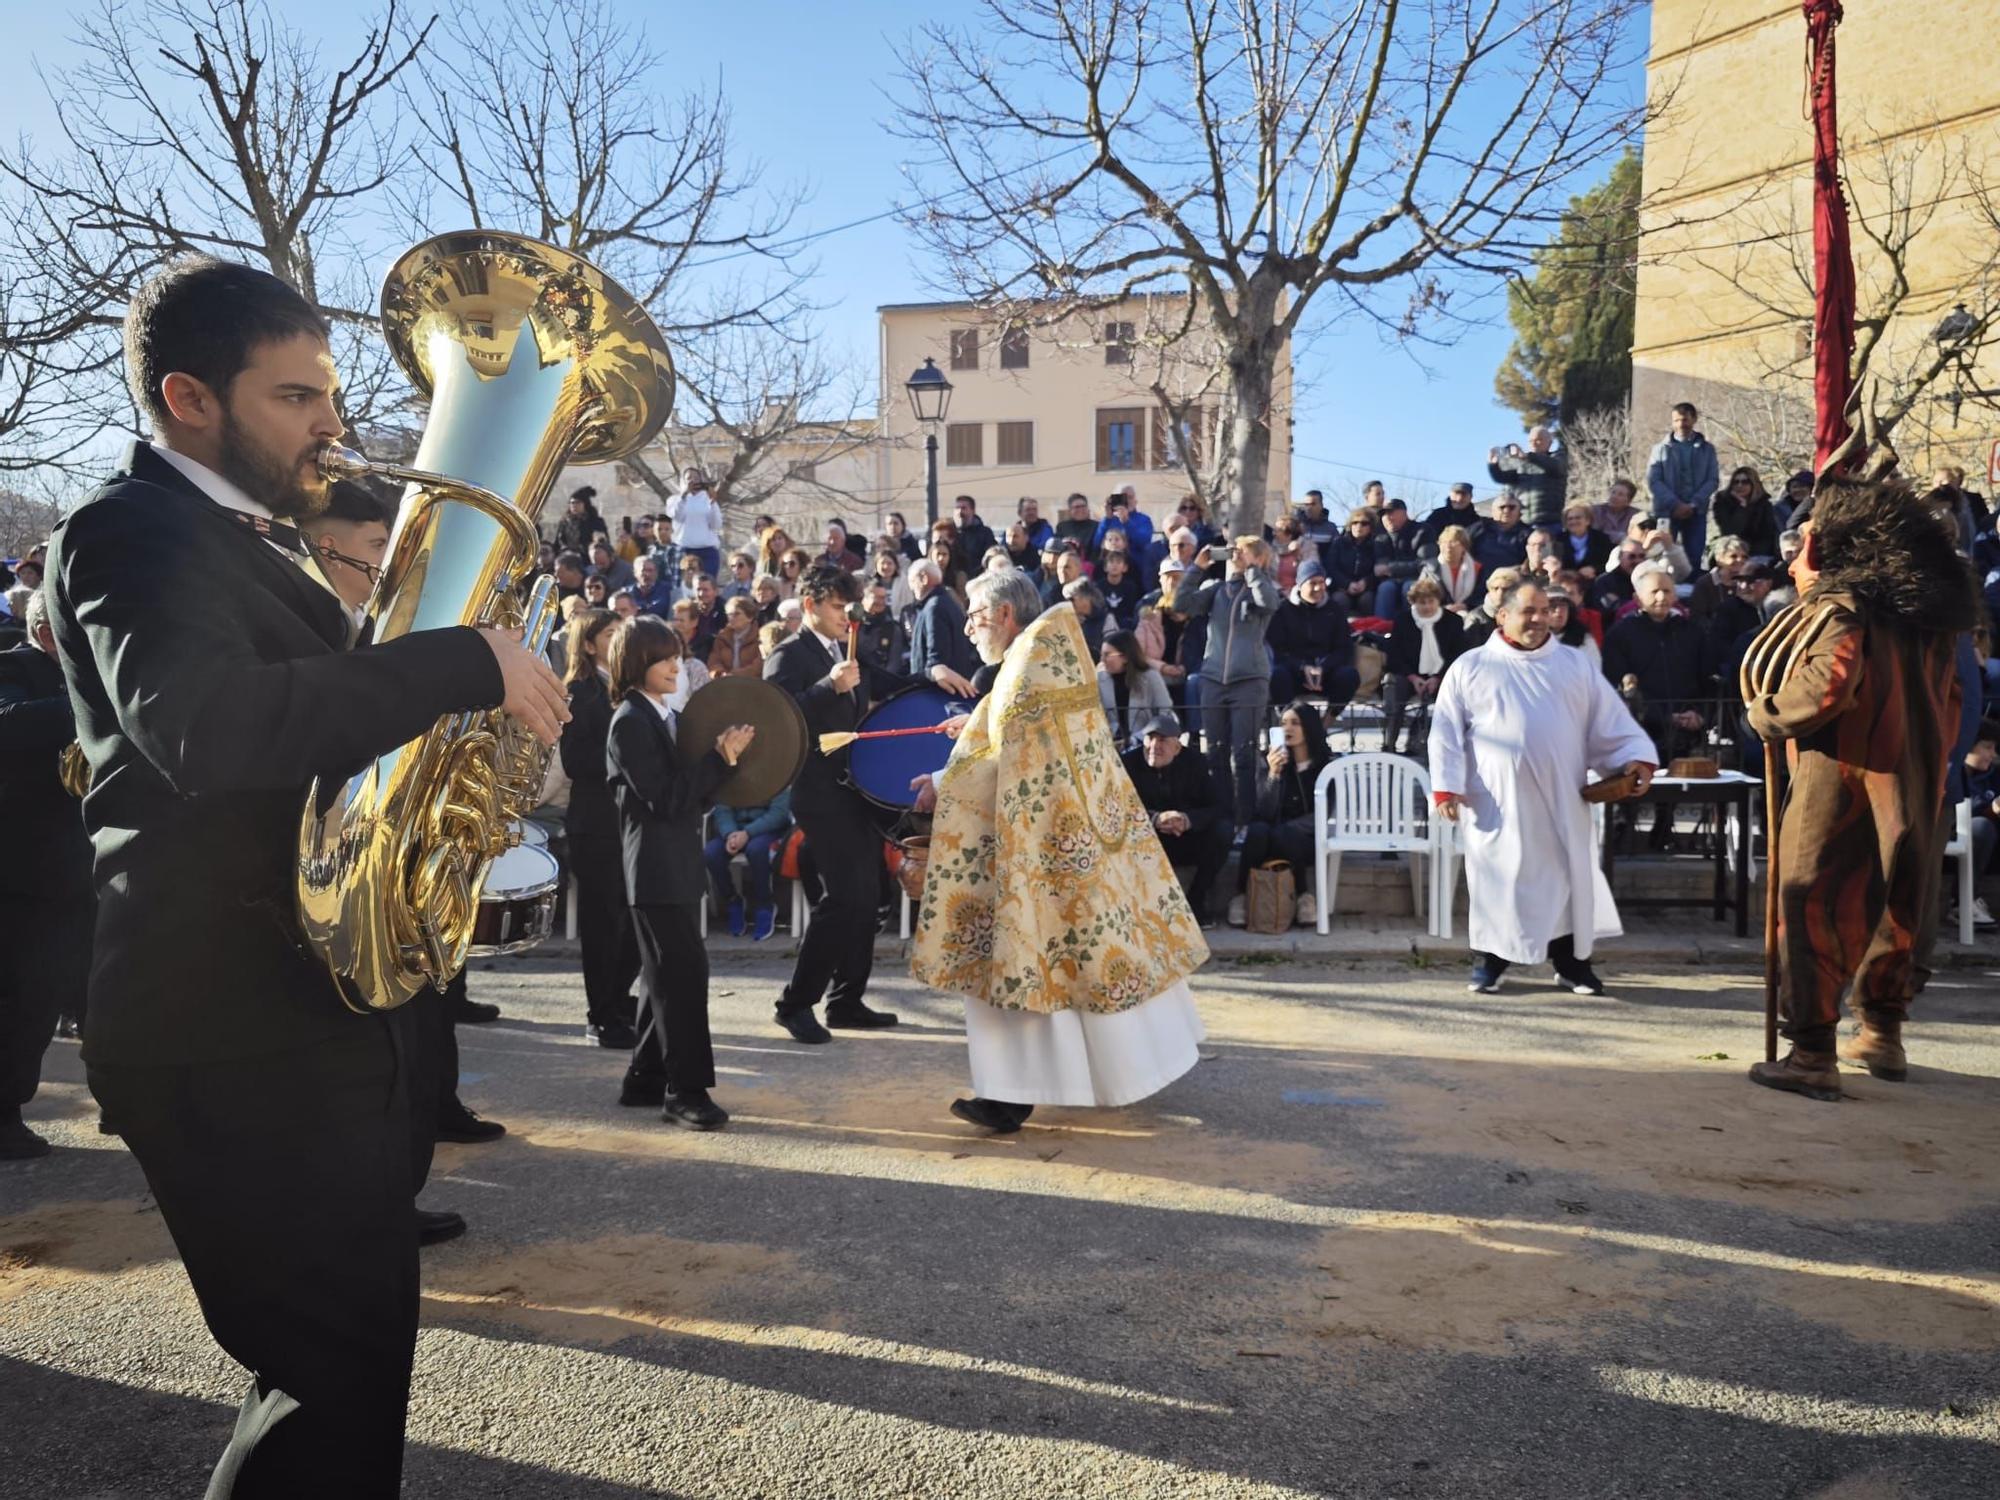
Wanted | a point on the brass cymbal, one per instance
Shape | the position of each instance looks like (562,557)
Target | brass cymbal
(775,756)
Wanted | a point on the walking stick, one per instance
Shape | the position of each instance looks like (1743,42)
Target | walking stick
(1770,903)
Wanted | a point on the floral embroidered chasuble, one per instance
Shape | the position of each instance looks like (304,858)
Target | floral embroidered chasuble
(1047,888)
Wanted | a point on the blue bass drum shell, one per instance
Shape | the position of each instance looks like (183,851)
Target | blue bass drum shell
(882,770)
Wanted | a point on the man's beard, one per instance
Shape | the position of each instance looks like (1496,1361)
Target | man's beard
(281,488)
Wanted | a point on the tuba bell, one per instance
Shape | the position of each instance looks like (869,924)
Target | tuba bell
(532,359)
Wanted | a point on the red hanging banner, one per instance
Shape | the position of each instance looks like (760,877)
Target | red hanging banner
(1833,260)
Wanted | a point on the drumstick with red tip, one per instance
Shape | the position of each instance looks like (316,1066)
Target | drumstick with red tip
(828,743)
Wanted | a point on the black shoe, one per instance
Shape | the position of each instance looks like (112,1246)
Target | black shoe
(1486,977)
(989,1114)
(435,1226)
(472,1013)
(858,1017)
(19,1143)
(614,1036)
(694,1109)
(642,1093)
(1582,980)
(804,1027)
(460,1124)
(105,1127)
(69,1028)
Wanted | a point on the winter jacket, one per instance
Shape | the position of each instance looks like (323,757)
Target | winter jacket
(1756,523)
(1306,635)
(735,655)
(1239,613)
(774,817)
(1540,481)
(1348,559)
(1406,643)
(1498,546)
(1401,550)
(1671,658)
(1682,472)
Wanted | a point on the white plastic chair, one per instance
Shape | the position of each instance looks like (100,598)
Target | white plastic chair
(1960,849)
(1374,801)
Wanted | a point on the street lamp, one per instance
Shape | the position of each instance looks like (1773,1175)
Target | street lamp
(930,398)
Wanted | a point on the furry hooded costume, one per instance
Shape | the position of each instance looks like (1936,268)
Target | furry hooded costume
(1868,714)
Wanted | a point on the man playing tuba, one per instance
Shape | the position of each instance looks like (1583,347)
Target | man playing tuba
(212,684)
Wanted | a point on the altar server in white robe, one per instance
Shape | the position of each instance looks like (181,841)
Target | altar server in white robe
(1518,724)
(1048,900)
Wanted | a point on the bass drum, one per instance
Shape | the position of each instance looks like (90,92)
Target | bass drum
(882,770)
(517,905)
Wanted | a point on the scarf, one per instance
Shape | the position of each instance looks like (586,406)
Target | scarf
(1430,657)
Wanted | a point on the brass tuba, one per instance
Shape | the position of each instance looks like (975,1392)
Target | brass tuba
(532,359)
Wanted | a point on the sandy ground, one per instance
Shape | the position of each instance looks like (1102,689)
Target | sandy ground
(1388,1239)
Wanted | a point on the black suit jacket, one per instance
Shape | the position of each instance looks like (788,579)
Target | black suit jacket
(801,666)
(592,812)
(660,806)
(211,685)
(48,851)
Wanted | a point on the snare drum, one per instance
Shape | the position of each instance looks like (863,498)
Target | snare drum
(517,905)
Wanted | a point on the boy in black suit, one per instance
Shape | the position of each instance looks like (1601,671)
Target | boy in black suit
(838,951)
(660,808)
(208,663)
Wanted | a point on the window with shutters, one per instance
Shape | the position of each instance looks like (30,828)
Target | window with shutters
(965,348)
(1014,349)
(1017,443)
(1119,435)
(963,448)
(1118,340)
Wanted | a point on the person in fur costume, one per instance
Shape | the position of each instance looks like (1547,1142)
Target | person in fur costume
(1867,714)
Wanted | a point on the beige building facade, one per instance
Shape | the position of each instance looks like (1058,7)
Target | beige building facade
(1724,297)
(1048,410)
(817,472)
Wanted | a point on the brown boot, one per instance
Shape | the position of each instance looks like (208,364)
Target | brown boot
(1878,1047)
(1814,1074)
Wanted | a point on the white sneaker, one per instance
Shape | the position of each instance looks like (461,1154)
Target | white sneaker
(1239,911)
(1981,916)
(1308,913)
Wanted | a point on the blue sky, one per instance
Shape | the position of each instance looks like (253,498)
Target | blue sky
(811,86)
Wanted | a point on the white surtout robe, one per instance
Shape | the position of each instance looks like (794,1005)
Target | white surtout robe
(1514,733)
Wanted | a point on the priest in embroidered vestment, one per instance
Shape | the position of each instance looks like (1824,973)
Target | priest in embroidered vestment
(1048,901)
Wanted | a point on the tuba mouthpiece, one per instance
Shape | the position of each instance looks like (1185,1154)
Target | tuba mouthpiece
(336,462)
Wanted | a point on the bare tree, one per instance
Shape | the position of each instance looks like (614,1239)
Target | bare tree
(1278,161)
(1911,196)
(750,418)
(548,119)
(1598,444)
(24,521)
(190,126)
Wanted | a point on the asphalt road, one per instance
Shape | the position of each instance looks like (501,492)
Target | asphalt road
(1389,1239)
